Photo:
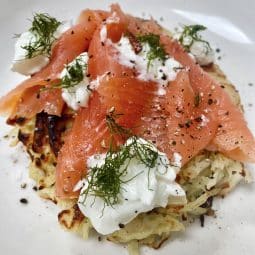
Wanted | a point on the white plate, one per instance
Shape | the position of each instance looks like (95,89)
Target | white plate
(33,228)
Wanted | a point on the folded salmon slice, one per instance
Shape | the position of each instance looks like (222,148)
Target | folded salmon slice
(233,137)
(175,124)
(101,60)
(102,54)
(73,42)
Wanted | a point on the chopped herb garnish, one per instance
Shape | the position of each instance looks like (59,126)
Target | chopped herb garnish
(197,100)
(190,34)
(156,49)
(43,28)
(105,181)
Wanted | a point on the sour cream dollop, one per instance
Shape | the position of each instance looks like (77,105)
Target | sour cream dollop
(142,189)
(157,70)
(203,55)
(78,95)
(199,50)
(29,66)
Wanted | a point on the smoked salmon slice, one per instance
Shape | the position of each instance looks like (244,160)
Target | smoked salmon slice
(175,124)
(233,137)
(73,42)
(101,60)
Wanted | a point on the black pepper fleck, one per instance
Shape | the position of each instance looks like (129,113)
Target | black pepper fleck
(199,119)
(23,201)
(23,185)
(202,220)
(210,101)
(121,225)
(164,77)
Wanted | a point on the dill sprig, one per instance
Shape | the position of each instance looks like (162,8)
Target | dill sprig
(156,49)
(197,100)
(105,181)
(113,126)
(43,28)
(74,74)
(192,32)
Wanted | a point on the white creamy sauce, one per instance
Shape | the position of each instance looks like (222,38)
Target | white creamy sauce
(205,120)
(103,34)
(199,50)
(160,72)
(78,95)
(113,19)
(94,84)
(138,194)
(203,55)
(29,66)
(177,160)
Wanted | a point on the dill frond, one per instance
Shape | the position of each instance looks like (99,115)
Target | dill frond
(74,74)
(43,28)
(192,32)
(116,129)
(156,49)
(106,181)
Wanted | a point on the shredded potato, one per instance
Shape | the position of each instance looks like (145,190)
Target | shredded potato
(133,248)
(206,176)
